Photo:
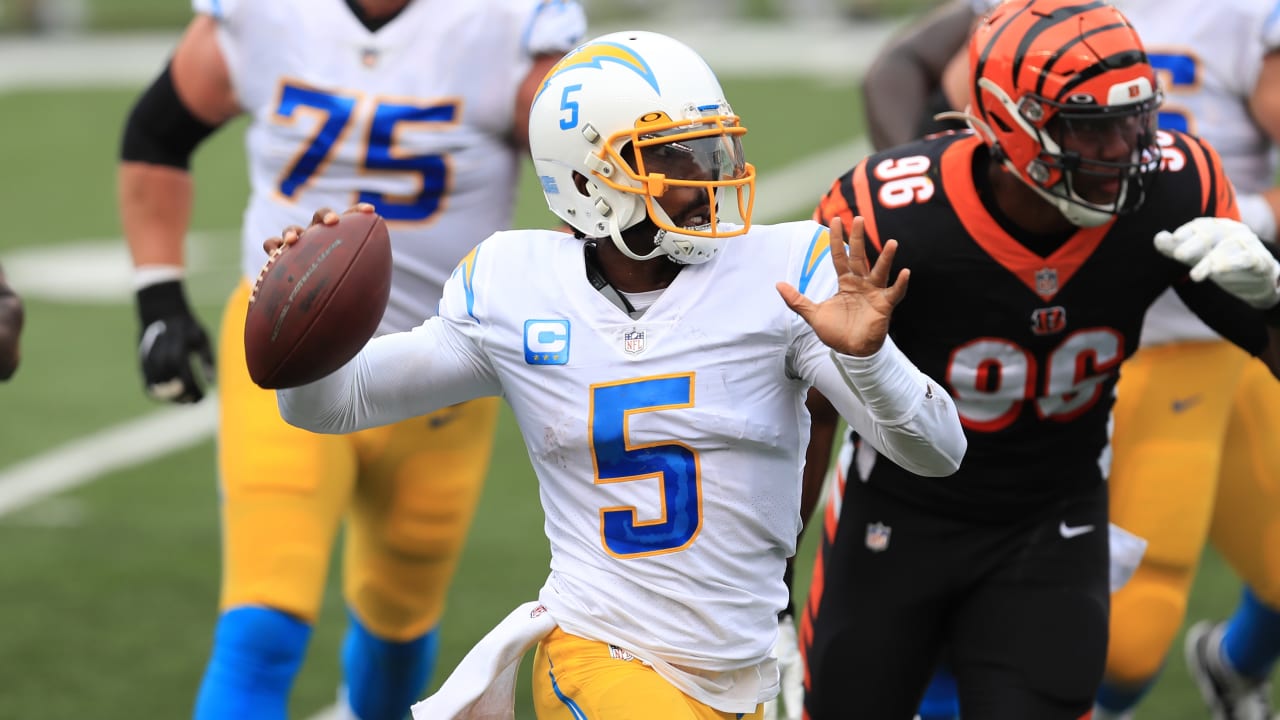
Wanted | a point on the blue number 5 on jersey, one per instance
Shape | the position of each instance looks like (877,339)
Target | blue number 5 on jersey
(675,465)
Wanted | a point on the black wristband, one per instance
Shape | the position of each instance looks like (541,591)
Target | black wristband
(161,300)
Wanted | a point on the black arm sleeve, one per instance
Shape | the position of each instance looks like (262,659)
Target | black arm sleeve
(161,130)
(1272,316)
(1229,316)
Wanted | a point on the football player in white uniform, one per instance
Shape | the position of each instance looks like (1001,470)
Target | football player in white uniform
(659,381)
(421,109)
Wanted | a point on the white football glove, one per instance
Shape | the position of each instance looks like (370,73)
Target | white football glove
(791,667)
(1228,253)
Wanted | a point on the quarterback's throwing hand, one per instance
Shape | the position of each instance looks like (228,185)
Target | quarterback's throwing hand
(855,320)
(323,216)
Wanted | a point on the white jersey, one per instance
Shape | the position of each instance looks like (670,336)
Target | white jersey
(668,449)
(1208,56)
(415,118)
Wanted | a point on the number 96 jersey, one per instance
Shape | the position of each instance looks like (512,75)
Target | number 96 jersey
(340,114)
(1027,332)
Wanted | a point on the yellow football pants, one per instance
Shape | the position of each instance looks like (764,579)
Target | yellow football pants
(407,491)
(576,678)
(1194,448)
(1246,517)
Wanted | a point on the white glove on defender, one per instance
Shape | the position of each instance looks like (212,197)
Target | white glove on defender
(791,666)
(1228,253)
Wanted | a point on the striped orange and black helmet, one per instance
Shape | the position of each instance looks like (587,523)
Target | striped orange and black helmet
(1067,99)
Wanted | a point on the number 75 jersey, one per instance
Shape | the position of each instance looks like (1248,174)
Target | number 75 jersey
(415,118)
(1027,333)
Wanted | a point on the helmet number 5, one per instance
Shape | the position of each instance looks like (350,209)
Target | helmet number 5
(671,466)
(569,106)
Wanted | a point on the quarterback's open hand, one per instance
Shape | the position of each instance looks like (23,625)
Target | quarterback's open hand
(855,320)
(323,216)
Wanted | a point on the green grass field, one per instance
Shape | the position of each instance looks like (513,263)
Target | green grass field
(108,591)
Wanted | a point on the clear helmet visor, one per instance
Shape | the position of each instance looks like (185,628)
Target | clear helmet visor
(697,160)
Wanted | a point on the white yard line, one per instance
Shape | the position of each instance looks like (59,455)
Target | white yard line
(837,49)
(118,447)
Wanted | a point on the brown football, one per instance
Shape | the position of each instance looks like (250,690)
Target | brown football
(318,301)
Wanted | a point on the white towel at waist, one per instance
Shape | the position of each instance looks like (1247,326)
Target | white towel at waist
(483,685)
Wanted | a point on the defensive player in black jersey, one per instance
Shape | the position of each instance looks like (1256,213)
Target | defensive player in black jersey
(11,314)
(1036,243)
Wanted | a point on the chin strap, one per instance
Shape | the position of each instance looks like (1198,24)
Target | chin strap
(615,232)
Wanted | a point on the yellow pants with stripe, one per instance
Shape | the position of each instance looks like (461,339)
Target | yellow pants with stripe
(406,491)
(1196,456)
(575,678)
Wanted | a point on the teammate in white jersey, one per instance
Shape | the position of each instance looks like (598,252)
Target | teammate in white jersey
(419,108)
(659,381)
(1194,454)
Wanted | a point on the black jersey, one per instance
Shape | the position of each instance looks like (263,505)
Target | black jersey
(1028,336)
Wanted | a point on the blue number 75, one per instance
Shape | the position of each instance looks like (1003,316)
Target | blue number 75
(381,155)
(673,464)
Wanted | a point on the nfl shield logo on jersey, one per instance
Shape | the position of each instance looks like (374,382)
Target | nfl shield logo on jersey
(1047,282)
(633,341)
(878,536)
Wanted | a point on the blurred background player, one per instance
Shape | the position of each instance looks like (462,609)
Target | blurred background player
(381,101)
(1174,450)
(1071,127)
(11,317)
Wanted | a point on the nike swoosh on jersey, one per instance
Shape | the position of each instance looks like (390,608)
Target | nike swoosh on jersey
(1181,405)
(1070,531)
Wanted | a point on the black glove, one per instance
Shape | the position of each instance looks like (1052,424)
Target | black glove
(170,336)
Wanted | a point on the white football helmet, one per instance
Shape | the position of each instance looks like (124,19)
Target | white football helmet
(634,114)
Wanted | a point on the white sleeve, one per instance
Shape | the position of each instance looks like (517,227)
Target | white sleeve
(556,27)
(395,377)
(1271,29)
(220,10)
(902,412)
(403,375)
